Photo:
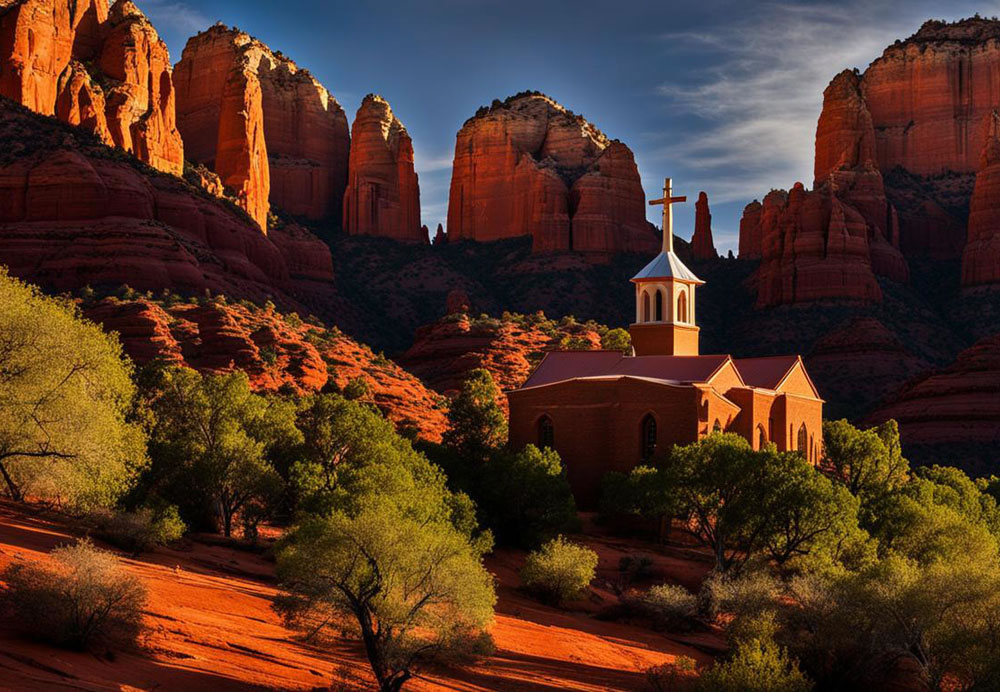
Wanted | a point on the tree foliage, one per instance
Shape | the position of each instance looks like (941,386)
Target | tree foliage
(560,570)
(477,424)
(66,394)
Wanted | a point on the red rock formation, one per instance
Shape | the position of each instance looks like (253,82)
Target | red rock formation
(830,243)
(383,195)
(813,247)
(750,231)
(274,351)
(528,166)
(443,353)
(981,260)
(73,214)
(107,72)
(957,405)
(702,246)
(271,131)
(440,237)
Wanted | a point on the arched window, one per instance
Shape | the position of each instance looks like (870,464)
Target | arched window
(546,433)
(717,428)
(682,307)
(659,305)
(761,437)
(645,306)
(648,441)
(802,444)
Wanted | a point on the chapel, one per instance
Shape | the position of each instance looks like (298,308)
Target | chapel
(606,411)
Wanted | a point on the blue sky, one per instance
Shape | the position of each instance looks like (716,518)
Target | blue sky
(721,96)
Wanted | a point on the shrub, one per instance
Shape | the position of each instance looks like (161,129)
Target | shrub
(84,595)
(758,666)
(751,591)
(672,677)
(356,389)
(632,568)
(142,530)
(668,606)
(559,571)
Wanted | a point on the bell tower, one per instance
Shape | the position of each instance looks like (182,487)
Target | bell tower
(665,296)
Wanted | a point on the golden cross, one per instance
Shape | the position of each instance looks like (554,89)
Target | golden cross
(668,201)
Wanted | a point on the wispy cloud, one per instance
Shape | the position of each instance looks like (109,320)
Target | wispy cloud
(172,14)
(756,104)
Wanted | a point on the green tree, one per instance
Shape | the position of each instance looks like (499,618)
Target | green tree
(723,487)
(67,394)
(869,462)
(642,492)
(211,437)
(560,570)
(477,424)
(756,665)
(415,587)
(525,498)
(616,340)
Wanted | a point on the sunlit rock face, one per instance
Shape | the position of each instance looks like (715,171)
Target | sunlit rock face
(106,71)
(528,166)
(272,132)
(383,194)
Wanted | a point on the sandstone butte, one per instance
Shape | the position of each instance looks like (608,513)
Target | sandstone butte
(276,352)
(443,353)
(383,195)
(106,71)
(832,241)
(76,213)
(272,132)
(702,246)
(529,166)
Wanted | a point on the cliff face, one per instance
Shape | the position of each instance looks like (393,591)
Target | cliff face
(981,260)
(271,131)
(108,72)
(383,195)
(528,166)
(831,242)
(75,213)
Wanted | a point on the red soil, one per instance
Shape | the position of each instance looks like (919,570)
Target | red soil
(211,627)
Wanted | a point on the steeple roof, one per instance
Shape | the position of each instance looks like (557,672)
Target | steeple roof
(667,265)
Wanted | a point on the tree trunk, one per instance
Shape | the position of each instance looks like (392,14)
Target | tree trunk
(15,492)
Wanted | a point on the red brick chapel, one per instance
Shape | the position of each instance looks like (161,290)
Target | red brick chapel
(604,411)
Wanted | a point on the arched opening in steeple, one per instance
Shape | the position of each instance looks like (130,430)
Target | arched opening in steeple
(659,305)
(546,433)
(647,441)
(682,307)
(645,306)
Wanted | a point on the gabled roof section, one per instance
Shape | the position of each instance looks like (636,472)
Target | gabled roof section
(558,366)
(667,265)
(776,373)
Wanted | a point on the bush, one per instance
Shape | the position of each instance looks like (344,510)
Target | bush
(142,530)
(84,595)
(560,571)
(757,666)
(672,677)
(751,591)
(357,388)
(668,606)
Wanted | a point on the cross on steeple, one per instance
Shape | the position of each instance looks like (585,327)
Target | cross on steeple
(668,213)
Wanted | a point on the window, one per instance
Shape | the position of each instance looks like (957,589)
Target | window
(717,428)
(546,433)
(659,305)
(802,444)
(761,437)
(645,306)
(682,307)
(648,442)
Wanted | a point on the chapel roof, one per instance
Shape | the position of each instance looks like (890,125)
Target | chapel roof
(558,366)
(765,372)
(666,265)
